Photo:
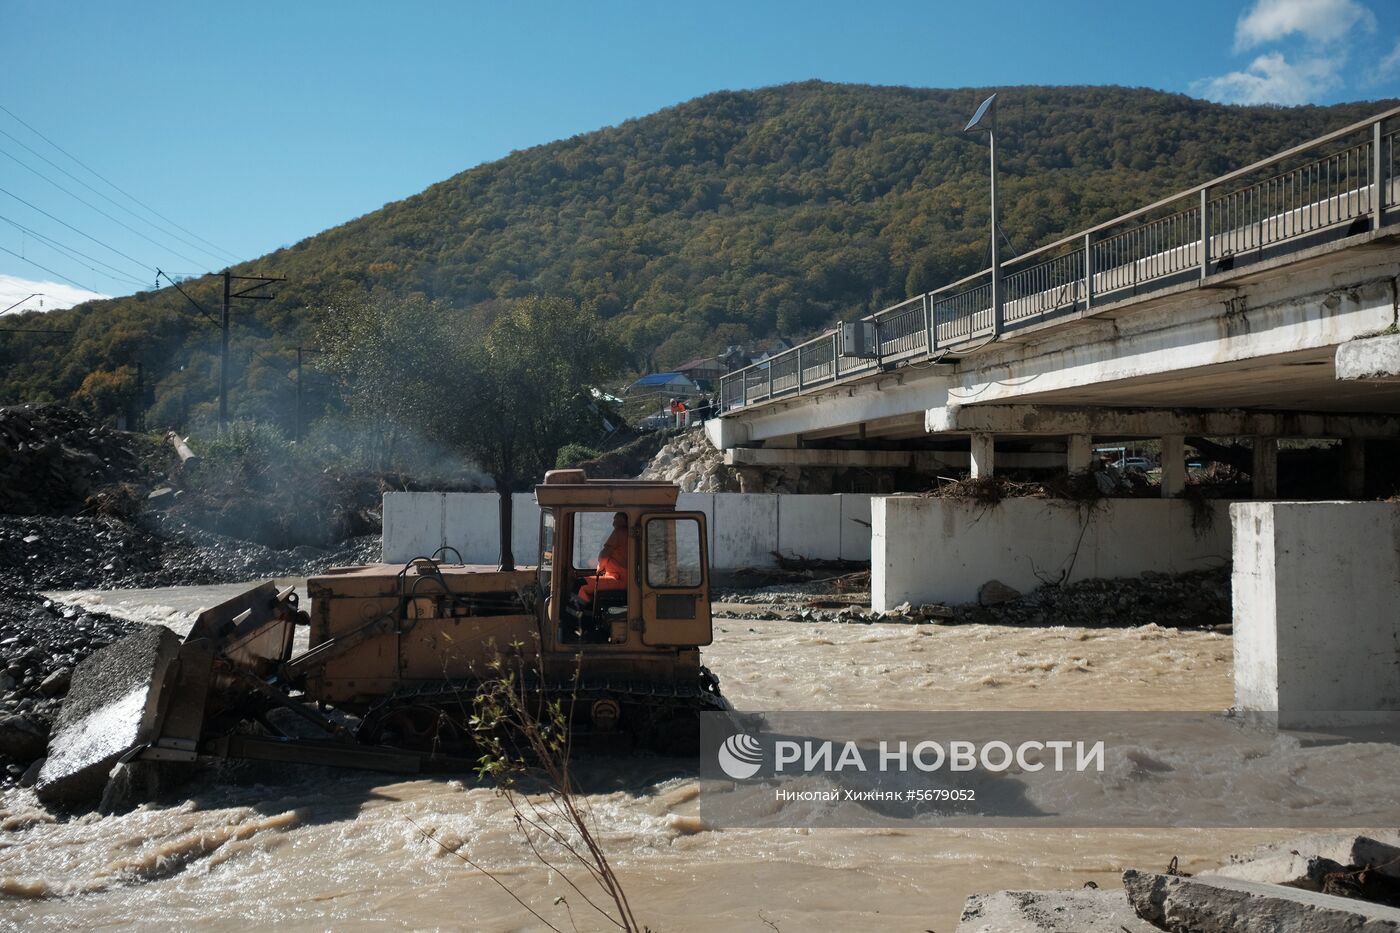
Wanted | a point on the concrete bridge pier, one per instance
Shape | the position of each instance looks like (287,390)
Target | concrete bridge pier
(1264,467)
(983,457)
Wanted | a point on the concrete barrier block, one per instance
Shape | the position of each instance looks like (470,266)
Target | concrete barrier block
(701,502)
(944,550)
(413,525)
(855,526)
(1086,910)
(114,704)
(1205,904)
(1315,589)
(746,530)
(473,522)
(525,528)
(809,526)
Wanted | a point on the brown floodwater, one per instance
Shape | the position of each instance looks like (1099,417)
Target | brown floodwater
(348,851)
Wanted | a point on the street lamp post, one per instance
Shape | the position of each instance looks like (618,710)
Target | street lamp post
(986,119)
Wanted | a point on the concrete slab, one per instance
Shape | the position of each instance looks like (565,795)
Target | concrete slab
(1205,904)
(1370,359)
(810,526)
(471,524)
(1286,863)
(1087,910)
(930,550)
(855,527)
(113,705)
(413,525)
(1315,587)
(746,530)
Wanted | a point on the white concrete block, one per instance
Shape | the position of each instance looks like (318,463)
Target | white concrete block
(1315,586)
(472,522)
(943,550)
(746,530)
(413,525)
(701,502)
(809,526)
(855,526)
(525,528)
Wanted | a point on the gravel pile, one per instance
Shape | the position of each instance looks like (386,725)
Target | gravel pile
(40,553)
(41,643)
(1191,600)
(53,458)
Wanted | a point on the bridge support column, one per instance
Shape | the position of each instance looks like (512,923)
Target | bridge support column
(1264,467)
(983,455)
(1079,452)
(1173,465)
(1354,467)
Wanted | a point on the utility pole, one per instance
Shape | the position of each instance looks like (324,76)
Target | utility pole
(259,281)
(300,350)
(223,357)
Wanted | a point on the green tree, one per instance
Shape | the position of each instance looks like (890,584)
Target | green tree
(387,351)
(529,382)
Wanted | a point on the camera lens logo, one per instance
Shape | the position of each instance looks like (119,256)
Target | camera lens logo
(740,756)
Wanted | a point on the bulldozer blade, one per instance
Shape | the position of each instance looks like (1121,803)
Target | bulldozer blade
(253,630)
(116,703)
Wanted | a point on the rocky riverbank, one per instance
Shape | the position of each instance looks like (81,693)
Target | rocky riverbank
(1198,600)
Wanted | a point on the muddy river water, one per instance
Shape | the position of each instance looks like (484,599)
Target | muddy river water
(347,851)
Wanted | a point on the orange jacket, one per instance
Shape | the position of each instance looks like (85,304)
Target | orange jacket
(612,567)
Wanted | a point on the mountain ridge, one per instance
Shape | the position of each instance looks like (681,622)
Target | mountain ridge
(733,216)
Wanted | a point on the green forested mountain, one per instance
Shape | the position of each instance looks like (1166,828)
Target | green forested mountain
(736,215)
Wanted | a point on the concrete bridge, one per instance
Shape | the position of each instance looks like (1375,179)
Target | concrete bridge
(1262,303)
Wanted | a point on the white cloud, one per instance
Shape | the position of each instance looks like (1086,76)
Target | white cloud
(1272,79)
(53,295)
(1320,21)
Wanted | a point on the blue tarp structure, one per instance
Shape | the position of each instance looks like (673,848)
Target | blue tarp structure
(677,382)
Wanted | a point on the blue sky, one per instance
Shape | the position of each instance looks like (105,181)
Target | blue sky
(254,124)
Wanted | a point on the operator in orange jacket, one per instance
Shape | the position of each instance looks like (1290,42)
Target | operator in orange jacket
(612,563)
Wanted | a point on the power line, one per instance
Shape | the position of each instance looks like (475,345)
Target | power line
(45,268)
(89,204)
(76,230)
(114,185)
(105,197)
(118,274)
(198,307)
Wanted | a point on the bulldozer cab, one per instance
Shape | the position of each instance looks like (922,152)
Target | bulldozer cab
(620,566)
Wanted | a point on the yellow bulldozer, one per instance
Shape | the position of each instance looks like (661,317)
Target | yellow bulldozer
(610,622)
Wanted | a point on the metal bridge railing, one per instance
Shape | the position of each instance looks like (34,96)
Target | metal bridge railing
(1342,183)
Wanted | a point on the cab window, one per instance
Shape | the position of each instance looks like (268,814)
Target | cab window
(673,549)
(546,549)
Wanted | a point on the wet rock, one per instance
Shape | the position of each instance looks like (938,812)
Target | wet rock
(56,683)
(994,593)
(23,737)
(31,774)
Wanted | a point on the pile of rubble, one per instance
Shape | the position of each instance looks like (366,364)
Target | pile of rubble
(41,553)
(1317,884)
(1189,600)
(52,459)
(41,643)
(692,462)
